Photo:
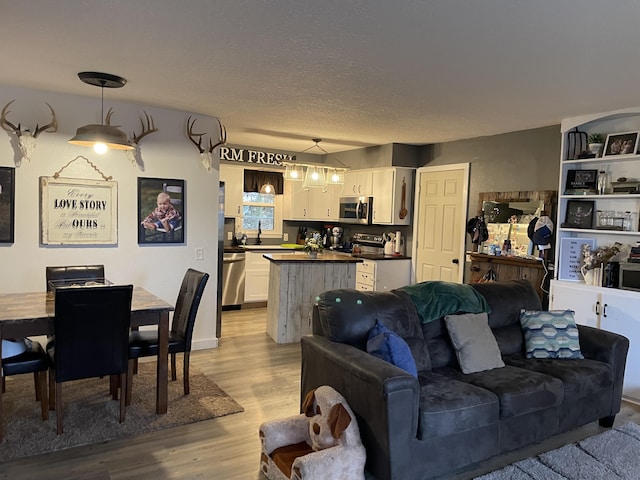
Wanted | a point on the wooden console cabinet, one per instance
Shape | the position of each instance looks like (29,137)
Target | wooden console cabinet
(508,268)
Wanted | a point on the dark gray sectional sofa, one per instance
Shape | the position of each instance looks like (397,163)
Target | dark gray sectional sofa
(445,421)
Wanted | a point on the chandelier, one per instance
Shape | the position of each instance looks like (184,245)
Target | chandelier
(314,176)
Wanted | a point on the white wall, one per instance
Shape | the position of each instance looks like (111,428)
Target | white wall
(165,154)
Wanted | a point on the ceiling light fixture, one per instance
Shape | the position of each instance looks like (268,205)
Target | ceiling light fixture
(267,188)
(315,176)
(104,136)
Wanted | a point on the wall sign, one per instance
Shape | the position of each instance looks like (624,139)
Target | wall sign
(254,156)
(75,211)
(571,252)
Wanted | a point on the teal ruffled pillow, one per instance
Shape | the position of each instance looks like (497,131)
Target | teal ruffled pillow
(390,347)
(550,334)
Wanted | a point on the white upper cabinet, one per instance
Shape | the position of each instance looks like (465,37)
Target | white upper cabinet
(357,183)
(392,190)
(311,204)
(233,178)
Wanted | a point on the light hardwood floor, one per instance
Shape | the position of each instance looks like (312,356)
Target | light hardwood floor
(260,375)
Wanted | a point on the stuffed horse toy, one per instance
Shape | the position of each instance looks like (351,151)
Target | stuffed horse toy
(321,443)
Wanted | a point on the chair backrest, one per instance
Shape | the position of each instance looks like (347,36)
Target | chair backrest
(189,296)
(80,272)
(92,331)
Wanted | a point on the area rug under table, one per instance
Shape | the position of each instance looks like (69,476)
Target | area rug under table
(91,416)
(611,455)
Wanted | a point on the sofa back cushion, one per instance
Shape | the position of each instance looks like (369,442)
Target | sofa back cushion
(347,316)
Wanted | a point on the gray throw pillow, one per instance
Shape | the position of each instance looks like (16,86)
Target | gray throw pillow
(474,342)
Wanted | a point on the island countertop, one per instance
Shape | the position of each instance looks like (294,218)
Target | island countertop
(299,257)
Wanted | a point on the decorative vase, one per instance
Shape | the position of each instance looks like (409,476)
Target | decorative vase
(313,254)
(595,148)
(593,276)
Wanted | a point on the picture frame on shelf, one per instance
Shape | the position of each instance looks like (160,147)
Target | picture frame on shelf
(619,144)
(7,204)
(579,214)
(581,182)
(161,211)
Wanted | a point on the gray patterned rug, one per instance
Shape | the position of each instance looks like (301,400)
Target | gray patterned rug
(90,416)
(611,455)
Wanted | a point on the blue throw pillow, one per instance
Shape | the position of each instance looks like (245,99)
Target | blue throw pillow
(550,334)
(389,346)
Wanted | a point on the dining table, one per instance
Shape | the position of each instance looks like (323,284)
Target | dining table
(33,313)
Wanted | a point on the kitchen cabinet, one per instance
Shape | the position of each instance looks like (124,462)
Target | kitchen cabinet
(392,190)
(312,204)
(233,178)
(357,183)
(382,275)
(508,268)
(609,309)
(256,283)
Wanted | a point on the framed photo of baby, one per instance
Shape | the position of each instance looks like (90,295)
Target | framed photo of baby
(161,211)
(621,144)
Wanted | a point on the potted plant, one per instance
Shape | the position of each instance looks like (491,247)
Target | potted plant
(596,141)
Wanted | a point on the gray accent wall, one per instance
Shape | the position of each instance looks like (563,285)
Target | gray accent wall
(523,160)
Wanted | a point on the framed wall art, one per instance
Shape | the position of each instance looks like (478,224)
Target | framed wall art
(76,211)
(581,182)
(161,211)
(621,144)
(7,204)
(579,214)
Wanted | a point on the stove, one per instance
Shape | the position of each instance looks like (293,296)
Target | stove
(368,244)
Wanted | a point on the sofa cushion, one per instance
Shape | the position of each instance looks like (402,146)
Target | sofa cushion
(550,334)
(519,391)
(449,406)
(580,378)
(507,299)
(476,347)
(347,316)
(387,345)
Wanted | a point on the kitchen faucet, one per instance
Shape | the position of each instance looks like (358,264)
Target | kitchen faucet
(258,241)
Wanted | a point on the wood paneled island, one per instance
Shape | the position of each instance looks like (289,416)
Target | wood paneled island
(295,280)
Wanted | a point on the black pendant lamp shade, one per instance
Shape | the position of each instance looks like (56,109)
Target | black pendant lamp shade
(92,134)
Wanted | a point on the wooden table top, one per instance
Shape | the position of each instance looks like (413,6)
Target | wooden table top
(40,305)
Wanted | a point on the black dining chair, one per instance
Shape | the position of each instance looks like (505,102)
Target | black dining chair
(34,360)
(92,338)
(73,272)
(144,343)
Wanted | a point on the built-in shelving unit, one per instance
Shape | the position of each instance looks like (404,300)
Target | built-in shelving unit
(607,308)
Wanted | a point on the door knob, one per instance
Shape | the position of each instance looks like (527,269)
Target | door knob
(455,260)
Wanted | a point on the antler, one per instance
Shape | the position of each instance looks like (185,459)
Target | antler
(222,136)
(150,127)
(190,134)
(53,125)
(6,124)
(198,144)
(10,127)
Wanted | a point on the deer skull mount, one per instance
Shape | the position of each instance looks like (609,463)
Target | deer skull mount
(26,139)
(148,126)
(205,154)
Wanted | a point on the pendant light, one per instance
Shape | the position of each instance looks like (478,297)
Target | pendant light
(102,137)
(293,172)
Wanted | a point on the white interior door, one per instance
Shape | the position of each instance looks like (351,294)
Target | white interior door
(439,223)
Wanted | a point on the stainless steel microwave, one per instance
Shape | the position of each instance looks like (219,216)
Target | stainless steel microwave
(356,210)
(629,276)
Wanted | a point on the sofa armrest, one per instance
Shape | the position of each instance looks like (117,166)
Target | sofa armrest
(384,398)
(284,431)
(610,348)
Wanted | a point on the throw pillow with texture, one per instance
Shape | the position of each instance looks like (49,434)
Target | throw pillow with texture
(550,334)
(389,346)
(476,346)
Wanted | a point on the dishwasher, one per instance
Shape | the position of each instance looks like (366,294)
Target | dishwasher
(233,279)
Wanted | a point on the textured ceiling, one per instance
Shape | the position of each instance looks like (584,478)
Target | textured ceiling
(353,73)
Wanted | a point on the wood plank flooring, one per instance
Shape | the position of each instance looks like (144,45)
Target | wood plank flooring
(264,378)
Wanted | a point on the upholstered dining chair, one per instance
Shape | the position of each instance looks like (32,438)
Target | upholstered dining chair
(33,360)
(144,343)
(92,338)
(73,272)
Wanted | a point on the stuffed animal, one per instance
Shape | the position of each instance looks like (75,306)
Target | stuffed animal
(321,443)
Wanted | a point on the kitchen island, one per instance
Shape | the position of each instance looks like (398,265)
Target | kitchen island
(295,279)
